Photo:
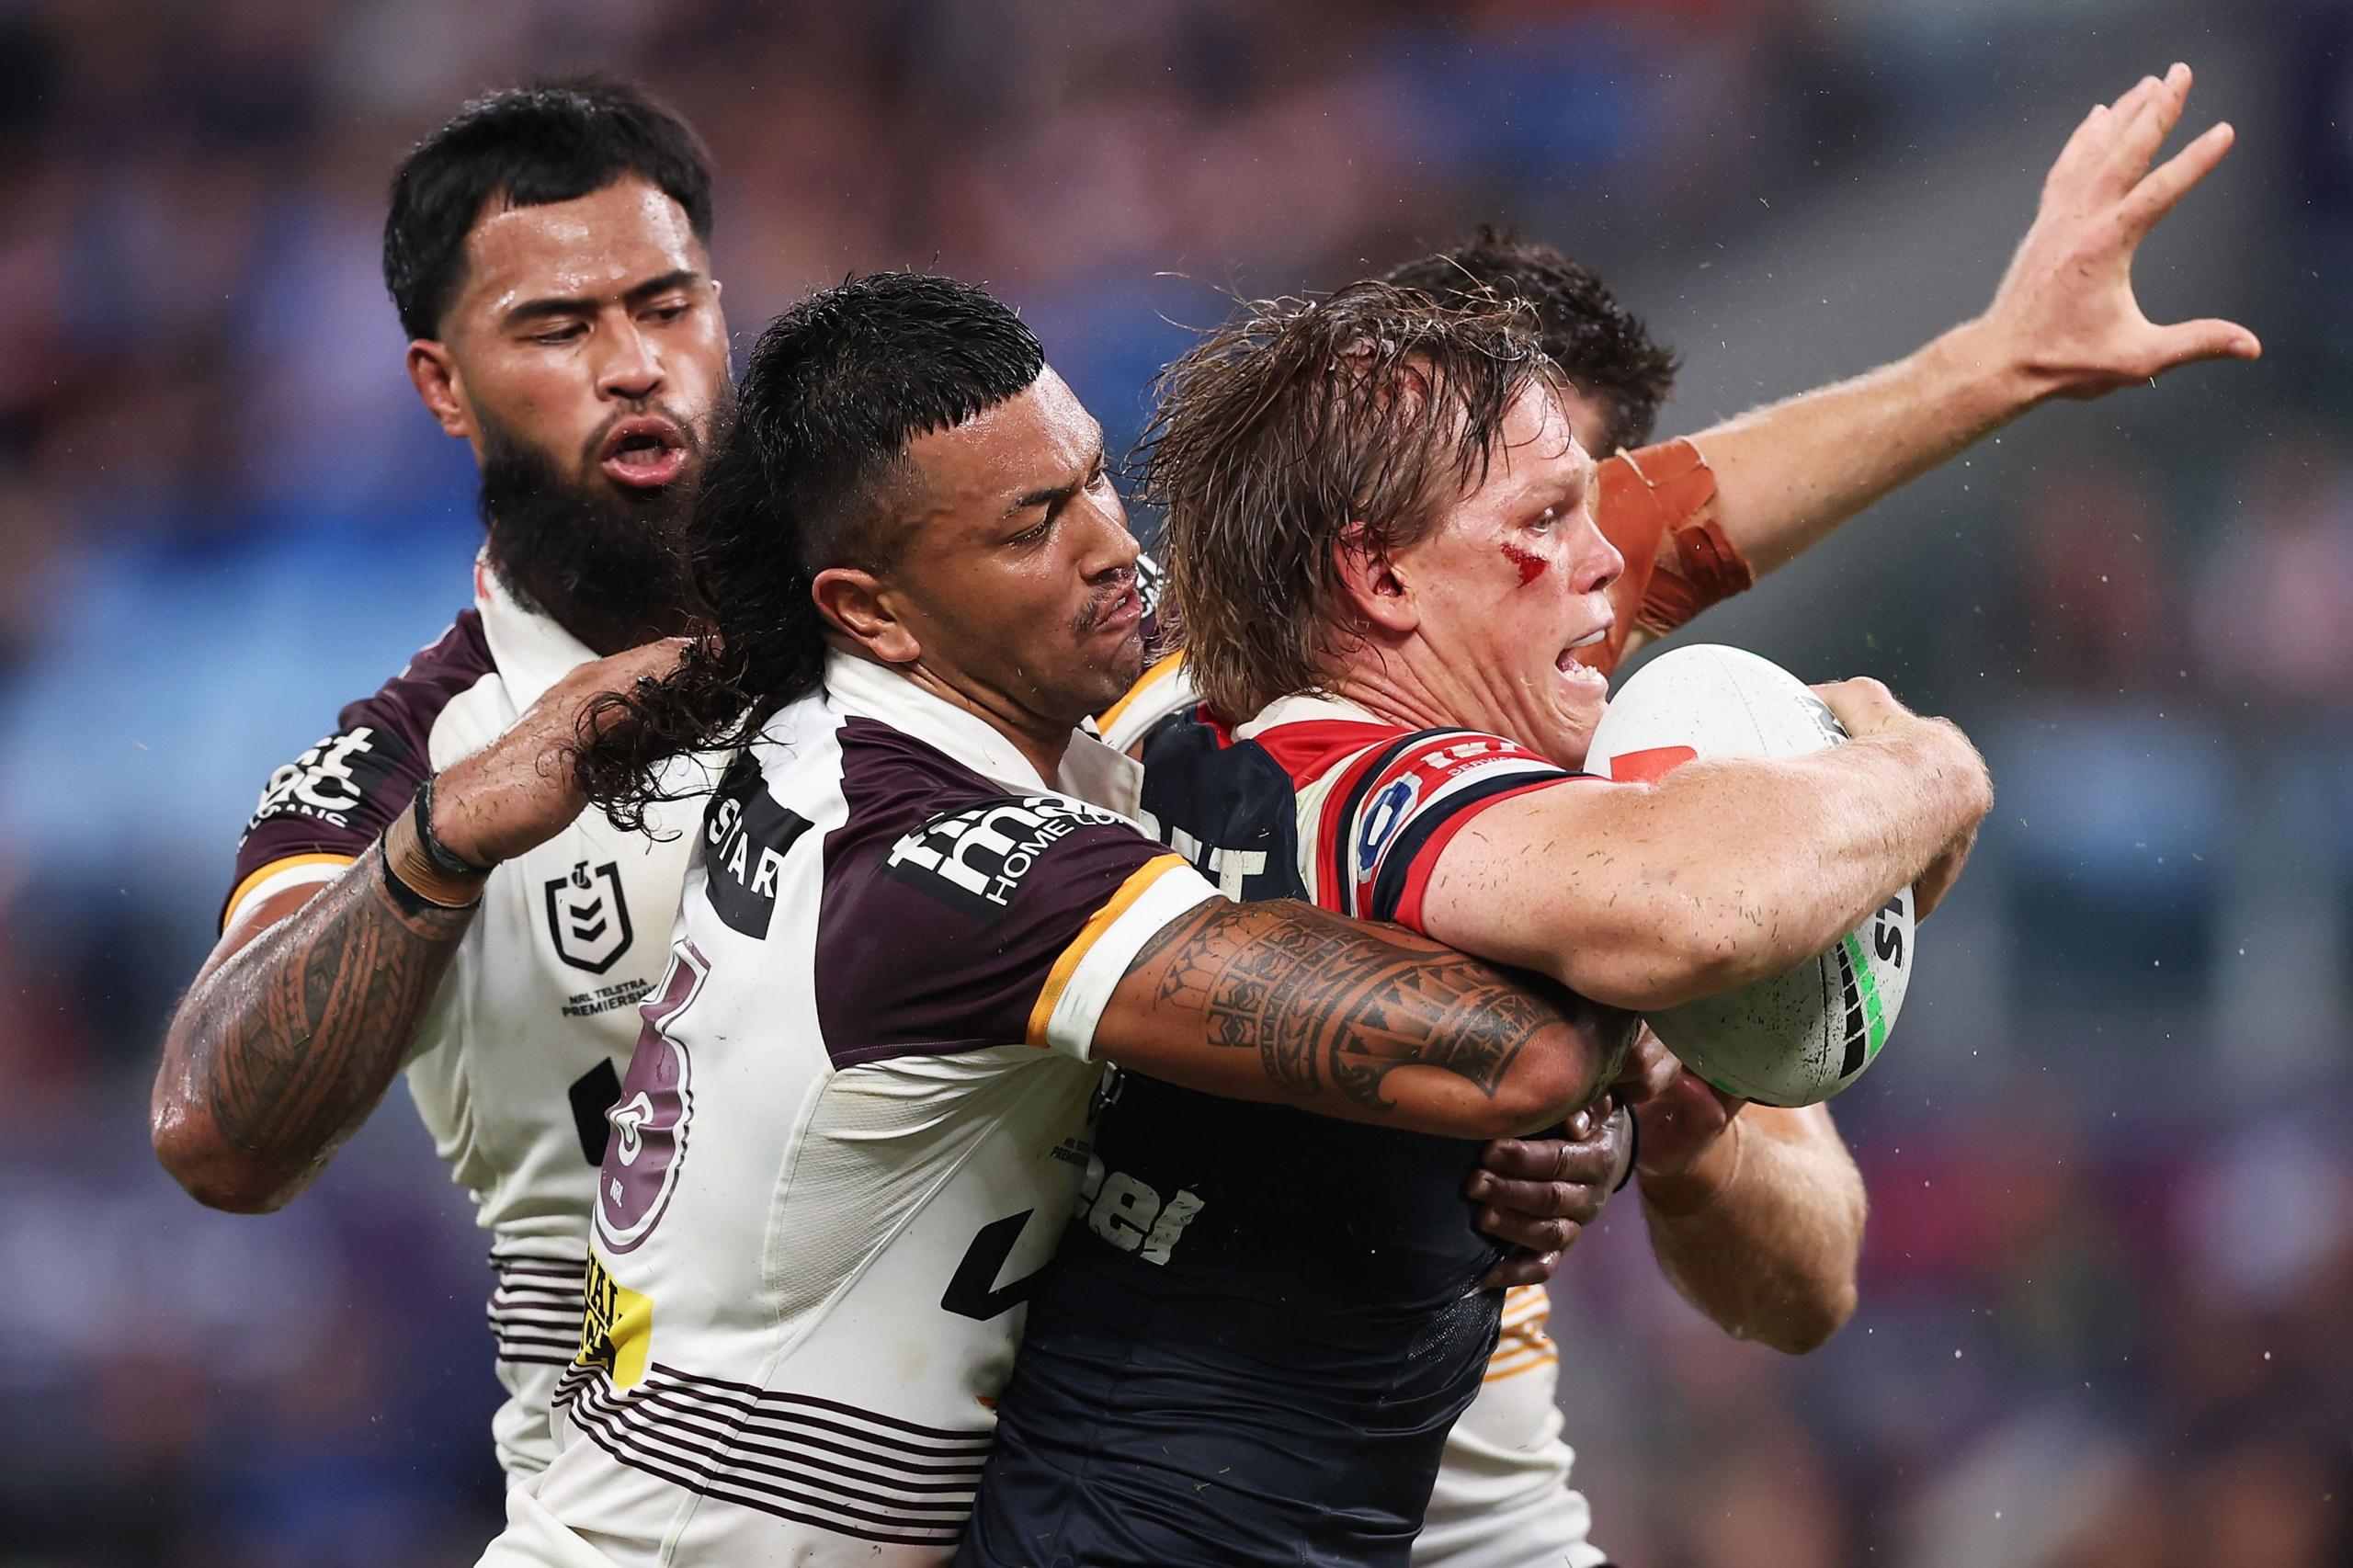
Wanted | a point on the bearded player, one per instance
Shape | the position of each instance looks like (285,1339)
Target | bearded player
(409,893)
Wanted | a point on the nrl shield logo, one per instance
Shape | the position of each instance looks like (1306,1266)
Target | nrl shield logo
(588,918)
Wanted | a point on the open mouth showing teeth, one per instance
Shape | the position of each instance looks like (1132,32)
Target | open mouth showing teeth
(641,451)
(646,453)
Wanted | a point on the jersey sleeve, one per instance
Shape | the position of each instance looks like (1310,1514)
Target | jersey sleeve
(320,811)
(1658,508)
(1390,817)
(1008,919)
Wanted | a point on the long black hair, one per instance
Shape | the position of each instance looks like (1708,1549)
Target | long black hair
(802,479)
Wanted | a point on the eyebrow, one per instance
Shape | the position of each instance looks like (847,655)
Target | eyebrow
(1054,493)
(1556,493)
(556,305)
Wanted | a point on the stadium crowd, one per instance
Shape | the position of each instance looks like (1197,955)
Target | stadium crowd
(2111,1243)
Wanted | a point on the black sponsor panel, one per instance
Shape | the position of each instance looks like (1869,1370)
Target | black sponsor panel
(746,835)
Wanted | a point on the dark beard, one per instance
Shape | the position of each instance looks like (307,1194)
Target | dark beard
(601,562)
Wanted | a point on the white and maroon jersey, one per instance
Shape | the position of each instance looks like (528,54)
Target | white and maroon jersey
(852,1130)
(520,1051)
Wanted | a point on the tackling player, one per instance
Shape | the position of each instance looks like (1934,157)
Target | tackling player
(1380,551)
(547,252)
(857,1116)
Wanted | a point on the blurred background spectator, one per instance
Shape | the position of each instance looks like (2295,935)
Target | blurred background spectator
(2111,1254)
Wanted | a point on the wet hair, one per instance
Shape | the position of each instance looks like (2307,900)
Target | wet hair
(1603,349)
(809,473)
(528,146)
(1359,417)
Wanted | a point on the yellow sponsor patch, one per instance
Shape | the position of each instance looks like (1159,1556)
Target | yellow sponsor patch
(617,1330)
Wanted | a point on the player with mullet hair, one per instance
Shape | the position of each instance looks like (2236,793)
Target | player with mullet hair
(1382,555)
(915,921)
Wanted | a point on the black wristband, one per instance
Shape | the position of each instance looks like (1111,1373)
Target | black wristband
(445,859)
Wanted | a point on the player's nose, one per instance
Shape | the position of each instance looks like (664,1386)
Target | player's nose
(1597,563)
(1109,547)
(632,370)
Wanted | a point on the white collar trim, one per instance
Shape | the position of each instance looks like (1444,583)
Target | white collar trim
(530,650)
(1308,705)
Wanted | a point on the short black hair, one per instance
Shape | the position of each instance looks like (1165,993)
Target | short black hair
(800,479)
(835,390)
(1604,348)
(554,141)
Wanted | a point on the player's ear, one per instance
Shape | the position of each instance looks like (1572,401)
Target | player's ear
(434,373)
(1372,584)
(865,609)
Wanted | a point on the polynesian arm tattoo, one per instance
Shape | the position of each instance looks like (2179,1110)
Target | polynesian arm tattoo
(279,1053)
(1318,996)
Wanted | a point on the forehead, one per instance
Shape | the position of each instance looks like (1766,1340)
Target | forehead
(1589,416)
(1033,440)
(1536,452)
(594,246)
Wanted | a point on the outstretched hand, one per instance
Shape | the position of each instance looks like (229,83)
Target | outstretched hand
(2065,312)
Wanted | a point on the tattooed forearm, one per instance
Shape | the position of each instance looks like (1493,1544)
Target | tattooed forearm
(1321,998)
(279,1053)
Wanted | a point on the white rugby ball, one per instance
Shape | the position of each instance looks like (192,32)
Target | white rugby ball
(1803,1037)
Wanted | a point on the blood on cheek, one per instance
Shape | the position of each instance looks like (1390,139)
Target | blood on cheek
(1531,566)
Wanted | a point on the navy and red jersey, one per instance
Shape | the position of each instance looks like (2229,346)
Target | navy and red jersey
(1261,1323)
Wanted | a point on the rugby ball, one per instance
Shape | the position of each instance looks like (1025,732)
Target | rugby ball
(1803,1037)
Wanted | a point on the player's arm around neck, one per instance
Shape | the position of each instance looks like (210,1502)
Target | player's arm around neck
(1721,873)
(1282,1002)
